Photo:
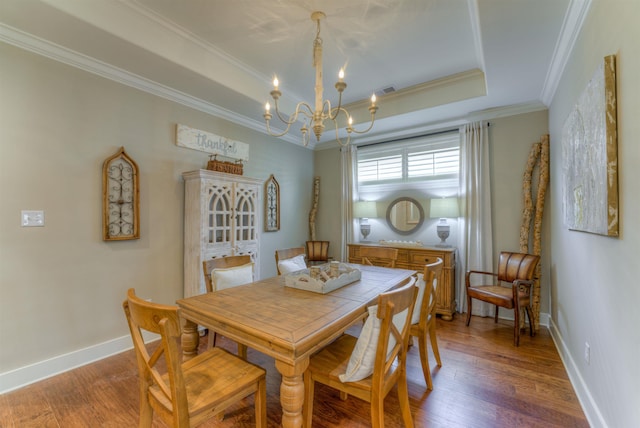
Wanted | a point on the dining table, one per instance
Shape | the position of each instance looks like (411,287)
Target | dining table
(286,323)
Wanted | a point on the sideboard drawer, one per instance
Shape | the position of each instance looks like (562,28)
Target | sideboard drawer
(421,258)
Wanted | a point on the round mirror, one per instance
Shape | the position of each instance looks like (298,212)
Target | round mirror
(405,215)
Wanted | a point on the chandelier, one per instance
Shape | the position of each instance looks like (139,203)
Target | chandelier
(314,118)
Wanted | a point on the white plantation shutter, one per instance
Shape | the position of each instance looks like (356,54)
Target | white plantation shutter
(429,163)
(380,168)
(417,159)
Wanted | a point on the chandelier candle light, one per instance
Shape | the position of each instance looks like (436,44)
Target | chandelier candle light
(315,117)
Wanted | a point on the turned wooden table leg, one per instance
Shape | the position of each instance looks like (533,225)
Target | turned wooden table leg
(292,392)
(190,339)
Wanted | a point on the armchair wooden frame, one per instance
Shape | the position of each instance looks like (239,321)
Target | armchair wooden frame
(326,366)
(188,393)
(427,323)
(317,252)
(516,269)
(223,263)
(379,256)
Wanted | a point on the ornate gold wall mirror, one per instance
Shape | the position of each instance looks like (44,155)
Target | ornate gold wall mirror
(405,215)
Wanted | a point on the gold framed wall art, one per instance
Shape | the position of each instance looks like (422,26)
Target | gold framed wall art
(271,205)
(590,156)
(120,198)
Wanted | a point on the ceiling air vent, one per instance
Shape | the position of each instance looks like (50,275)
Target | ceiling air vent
(384,91)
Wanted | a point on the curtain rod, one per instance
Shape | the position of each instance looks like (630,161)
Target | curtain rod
(430,134)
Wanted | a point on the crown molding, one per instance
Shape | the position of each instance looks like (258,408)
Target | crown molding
(456,87)
(443,125)
(83,62)
(571,26)
(474,18)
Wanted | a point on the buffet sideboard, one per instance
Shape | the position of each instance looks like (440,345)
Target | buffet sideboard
(415,257)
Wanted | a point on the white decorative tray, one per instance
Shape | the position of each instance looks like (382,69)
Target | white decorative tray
(323,278)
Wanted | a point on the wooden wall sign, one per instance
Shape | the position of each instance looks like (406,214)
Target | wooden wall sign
(211,143)
(120,198)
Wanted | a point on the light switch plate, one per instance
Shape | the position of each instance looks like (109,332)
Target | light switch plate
(32,218)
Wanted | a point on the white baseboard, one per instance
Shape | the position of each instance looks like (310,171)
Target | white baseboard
(544,317)
(35,372)
(589,406)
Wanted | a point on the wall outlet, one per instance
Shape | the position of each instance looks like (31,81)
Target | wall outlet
(32,218)
(587,352)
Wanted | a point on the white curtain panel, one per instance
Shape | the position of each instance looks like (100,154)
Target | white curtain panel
(348,158)
(476,246)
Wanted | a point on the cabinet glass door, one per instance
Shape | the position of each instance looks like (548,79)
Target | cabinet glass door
(219,215)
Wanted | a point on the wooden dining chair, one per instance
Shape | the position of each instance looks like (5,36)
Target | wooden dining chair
(222,263)
(317,252)
(225,272)
(379,256)
(424,318)
(290,259)
(517,271)
(364,367)
(188,393)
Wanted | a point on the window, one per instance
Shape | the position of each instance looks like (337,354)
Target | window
(380,168)
(422,159)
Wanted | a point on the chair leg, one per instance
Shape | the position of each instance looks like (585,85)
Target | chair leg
(532,331)
(307,406)
(496,316)
(260,403)
(424,360)
(516,326)
(242,351)
(468,310)
(146,412)
(434,342)
(212,339)
(403,398)
(377,410)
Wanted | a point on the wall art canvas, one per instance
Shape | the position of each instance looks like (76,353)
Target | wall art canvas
(590,156)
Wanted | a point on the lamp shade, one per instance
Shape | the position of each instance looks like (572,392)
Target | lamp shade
(444,208)
(365,209)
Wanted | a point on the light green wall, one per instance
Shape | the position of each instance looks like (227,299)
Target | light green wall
(595,290)
(61,286)
(327,166)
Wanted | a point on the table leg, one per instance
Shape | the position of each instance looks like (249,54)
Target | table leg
(190,339)
(292,392)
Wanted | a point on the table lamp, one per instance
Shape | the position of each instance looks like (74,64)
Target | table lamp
(364,210)
(443,208)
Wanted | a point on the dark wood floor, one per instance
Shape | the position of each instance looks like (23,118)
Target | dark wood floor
(484,382)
